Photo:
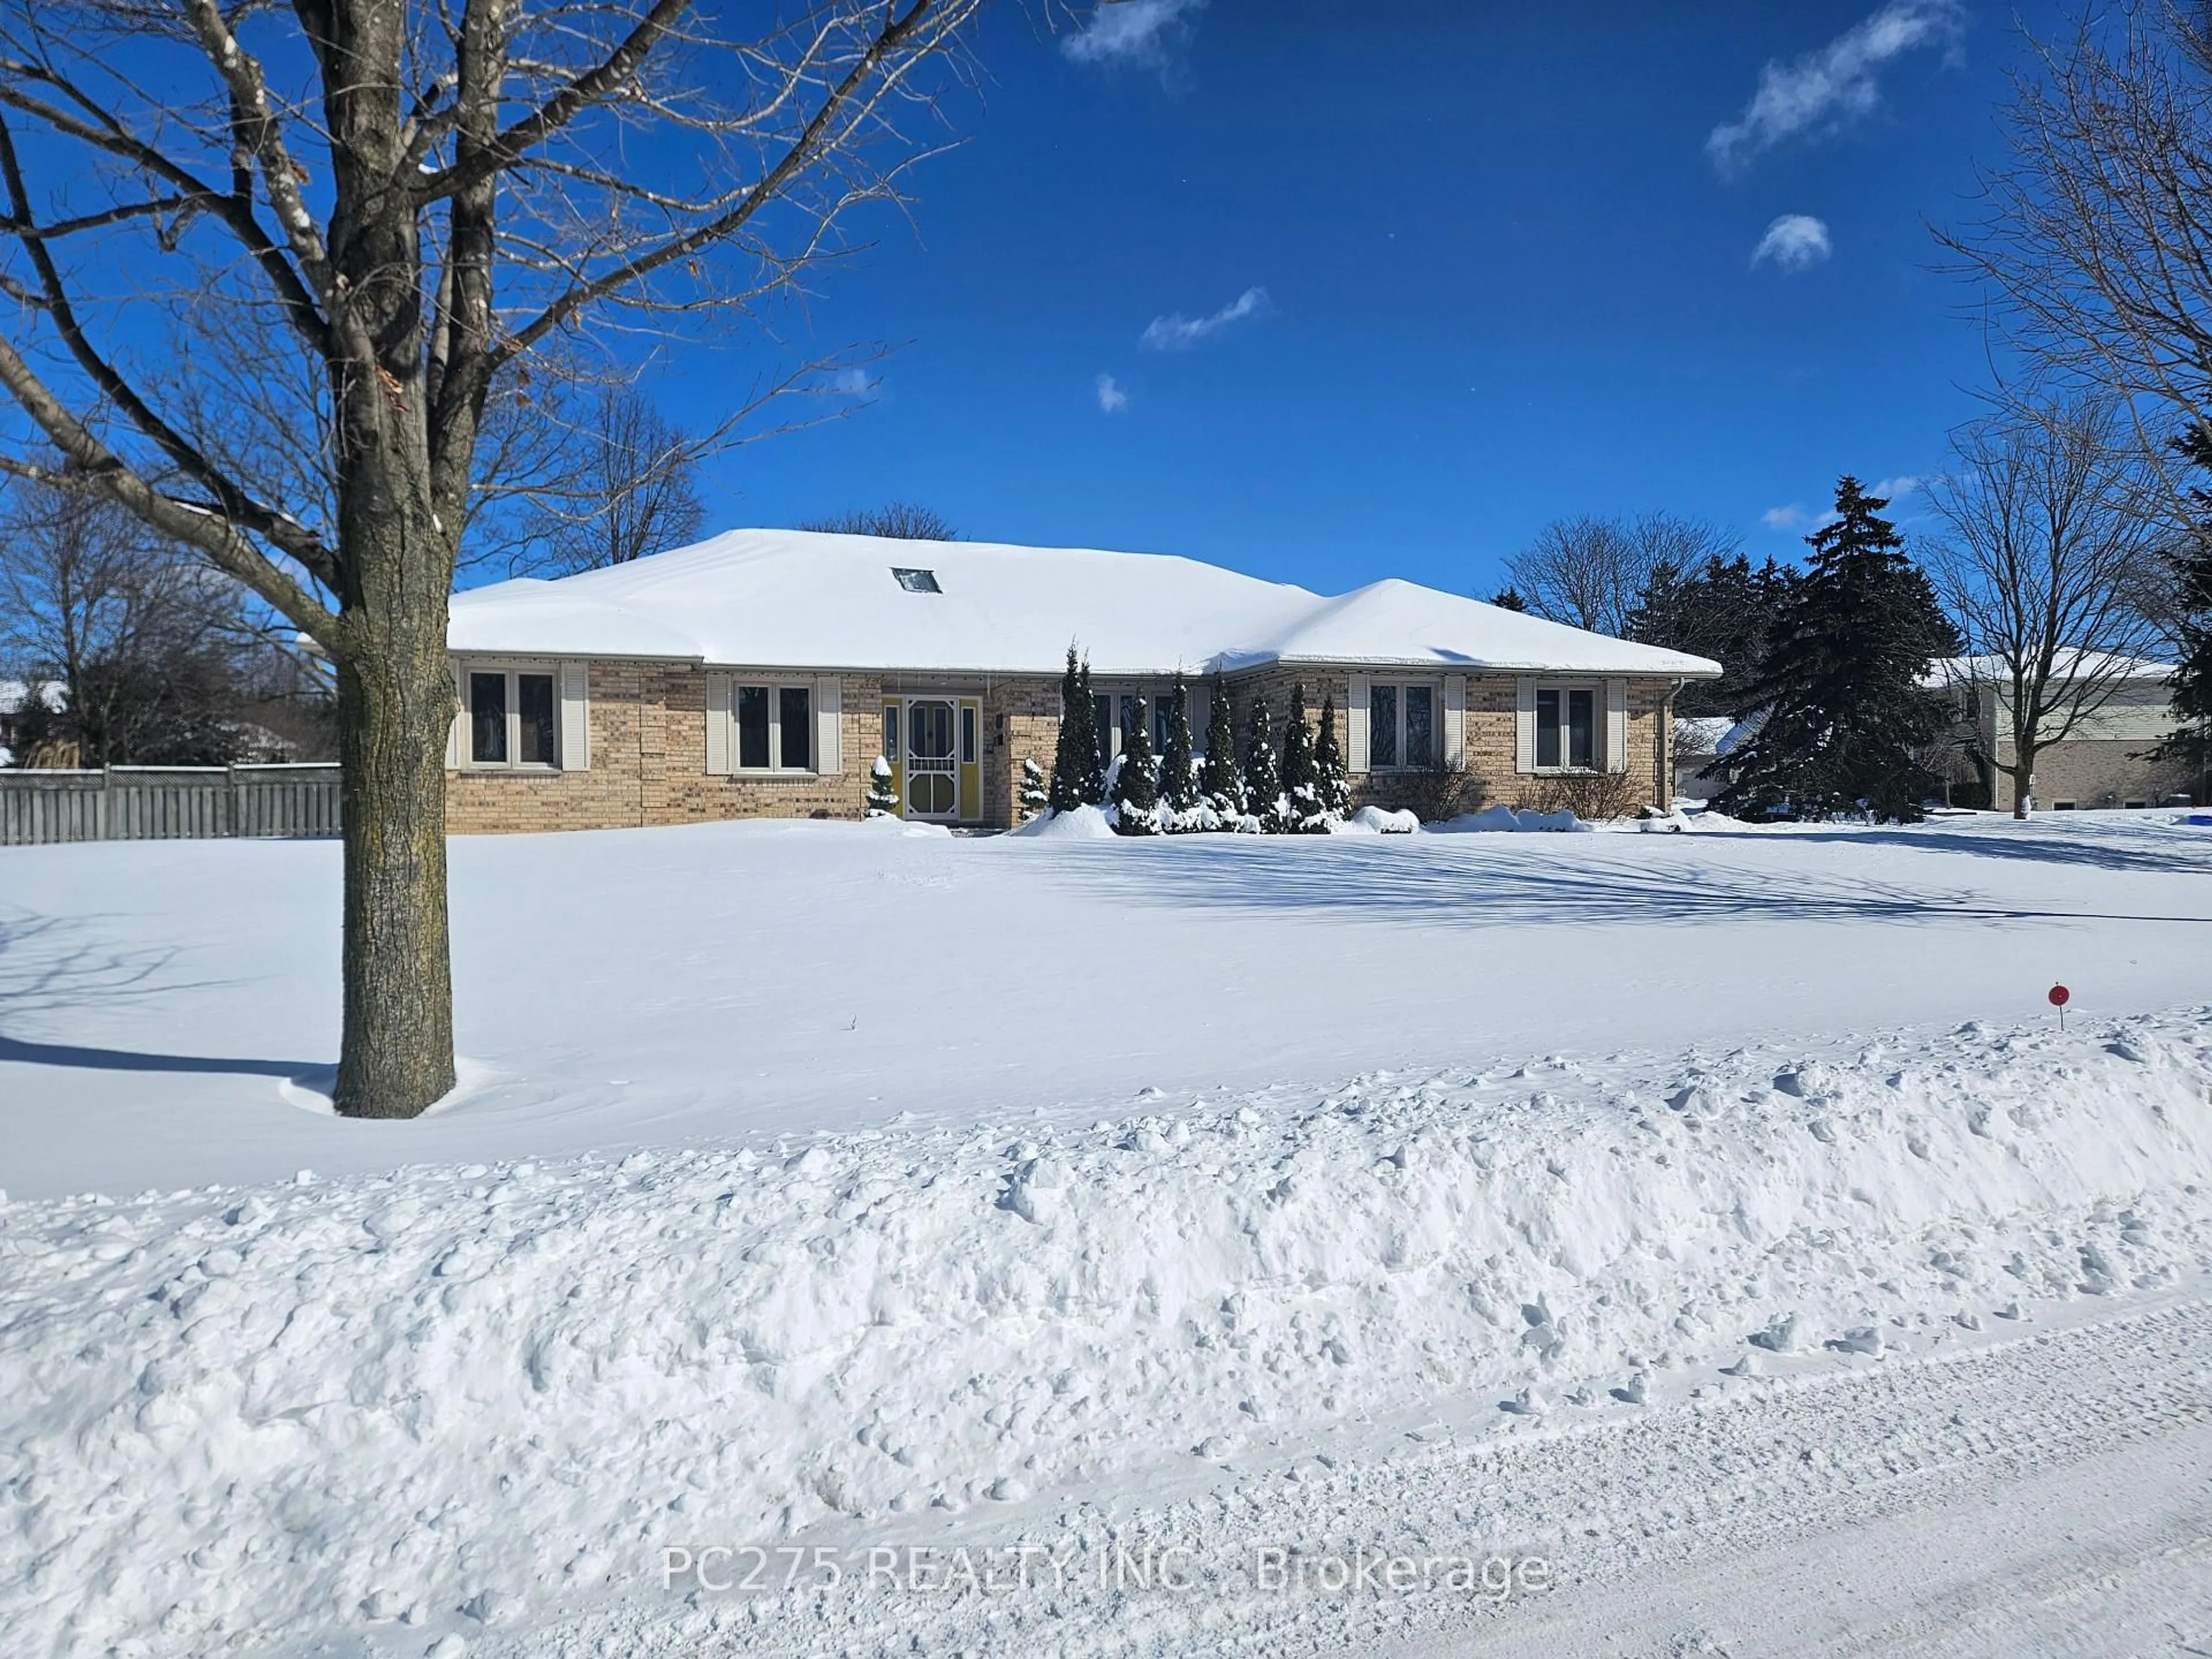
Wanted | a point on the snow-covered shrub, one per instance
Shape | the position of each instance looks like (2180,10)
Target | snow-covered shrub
(1180,799)
(1263,783)
(882,796)
(1034,796)
(1335,780)
(1304,812)
(1136,791)
(1221,780)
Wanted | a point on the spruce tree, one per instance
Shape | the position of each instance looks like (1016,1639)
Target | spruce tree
(1724,610)
(1301,774)
(1035,796)
(1509,598)
(1222,780)
(1263,785)
(1178,776)
(2191,740)
(1076,779)
(883,798)
(1846,715)
(1328,762)
(1137,778)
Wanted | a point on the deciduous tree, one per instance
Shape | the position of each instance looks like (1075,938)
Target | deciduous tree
(390,205)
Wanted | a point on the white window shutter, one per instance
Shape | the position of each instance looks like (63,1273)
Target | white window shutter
(575,717)
(718,724)
(1355,726)
(829,725)
(457,733)
(1524,723)
(1616,726)
(1456,722)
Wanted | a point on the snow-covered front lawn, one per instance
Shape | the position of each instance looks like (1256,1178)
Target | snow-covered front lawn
(168,1010)
(832,1185)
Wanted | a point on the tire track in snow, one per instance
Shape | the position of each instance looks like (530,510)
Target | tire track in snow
(2052,1493)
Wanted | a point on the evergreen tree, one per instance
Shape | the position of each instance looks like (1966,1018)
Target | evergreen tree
(1222,779)
(1845,714)
(1178,774)
(1509,598)
(1301,773)
(1328,762)
(883,798)
(2191,740)
(1725,610)
(1263,785)
(1137,778)
(1076,778)
(1035,797)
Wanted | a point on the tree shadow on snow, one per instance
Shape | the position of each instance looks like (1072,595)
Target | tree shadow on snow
(43,971)
(1518,885)
(2166,856)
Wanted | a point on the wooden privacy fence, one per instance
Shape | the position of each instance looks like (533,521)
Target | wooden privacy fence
(166,803)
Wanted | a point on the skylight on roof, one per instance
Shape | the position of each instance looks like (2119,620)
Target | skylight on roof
(917,581)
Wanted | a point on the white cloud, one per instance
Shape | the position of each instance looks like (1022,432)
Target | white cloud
(1794,517)
(1176,333)
(1142,31)
(1112,400)
(1889,488)
(1795,241)
(852,382)
(1826,89)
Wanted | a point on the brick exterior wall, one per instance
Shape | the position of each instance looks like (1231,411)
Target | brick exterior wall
(1488,778)
(2095,772)
(648,759)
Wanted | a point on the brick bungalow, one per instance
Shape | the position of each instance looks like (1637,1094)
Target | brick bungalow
(759,675)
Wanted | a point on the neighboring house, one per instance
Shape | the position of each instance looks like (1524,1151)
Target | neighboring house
(1699,740)
(760,673)
(16,701)
(2104,761)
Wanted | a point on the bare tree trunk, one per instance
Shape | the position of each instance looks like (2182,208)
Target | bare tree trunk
(395,706)
(2023,779)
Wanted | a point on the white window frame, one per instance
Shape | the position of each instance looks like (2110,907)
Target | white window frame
(775,688)
(1437,744)
(1599,759)
(513,668)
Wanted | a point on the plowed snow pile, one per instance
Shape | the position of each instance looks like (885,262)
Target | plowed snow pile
(235,1418)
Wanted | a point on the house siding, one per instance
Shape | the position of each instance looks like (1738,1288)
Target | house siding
(648,749)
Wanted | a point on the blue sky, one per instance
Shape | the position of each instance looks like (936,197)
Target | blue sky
(1501,268)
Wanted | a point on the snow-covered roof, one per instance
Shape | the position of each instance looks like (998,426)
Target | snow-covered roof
(14,694)
(2068,665)
(802,599)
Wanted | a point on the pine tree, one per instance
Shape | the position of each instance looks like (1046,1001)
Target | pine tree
(1263,785)
(1035,796)
(883,797)
(1301,774)
(1509,598)
(1137,778)
(1846,715)
(1222,780)
(1328,762)
(1178,775)
(1076,779)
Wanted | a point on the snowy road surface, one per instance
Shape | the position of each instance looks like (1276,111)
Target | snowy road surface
(2048,1495)
(1717,1226)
